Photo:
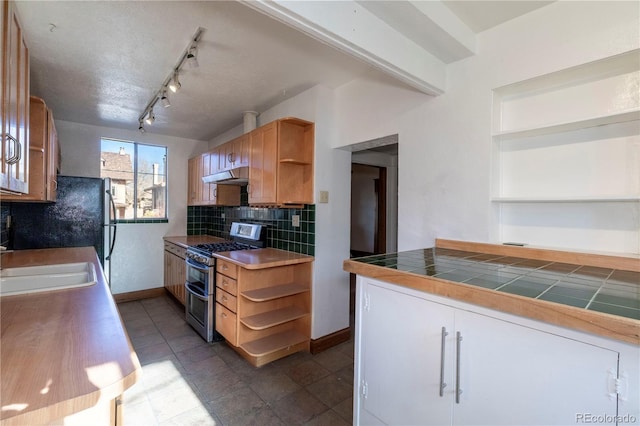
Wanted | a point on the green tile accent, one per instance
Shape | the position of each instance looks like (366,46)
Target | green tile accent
(207,220)
(596,289)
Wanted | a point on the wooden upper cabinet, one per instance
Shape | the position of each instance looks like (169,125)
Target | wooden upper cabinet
(14,172)
(281,163)
(240,151)
(193,191)
(43,155)
(208,194)
(262,159)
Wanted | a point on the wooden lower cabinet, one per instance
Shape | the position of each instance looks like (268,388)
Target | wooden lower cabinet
(428,360)
(264,314)
(175,270)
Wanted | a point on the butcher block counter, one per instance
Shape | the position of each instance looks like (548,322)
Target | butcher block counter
(263,258)
(598,294)
(63,351)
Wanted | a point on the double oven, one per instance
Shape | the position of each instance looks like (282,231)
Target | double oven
(200,285)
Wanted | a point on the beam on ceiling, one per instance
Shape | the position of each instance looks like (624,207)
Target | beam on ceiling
(347,26)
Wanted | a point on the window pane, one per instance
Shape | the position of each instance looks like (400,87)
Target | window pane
(117,159)
(151,181)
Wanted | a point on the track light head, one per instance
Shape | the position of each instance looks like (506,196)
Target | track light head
(165,99)
(192,61)
(175,85)
(141,127)
(150,117)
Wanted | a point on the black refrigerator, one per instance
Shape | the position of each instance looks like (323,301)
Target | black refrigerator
(83,215)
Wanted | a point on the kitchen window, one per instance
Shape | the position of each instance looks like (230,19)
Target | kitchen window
(138,174)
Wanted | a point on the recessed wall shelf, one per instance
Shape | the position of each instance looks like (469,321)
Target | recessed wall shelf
(586,199)
(621,117)
(566,157)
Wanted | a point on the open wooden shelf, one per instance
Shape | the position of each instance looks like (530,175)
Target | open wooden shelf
(273,318)
(274,343)
(275,292)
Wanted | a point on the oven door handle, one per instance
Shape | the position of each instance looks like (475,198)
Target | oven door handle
(195,291)
(197,265)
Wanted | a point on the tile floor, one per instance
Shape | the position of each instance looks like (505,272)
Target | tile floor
(186,381)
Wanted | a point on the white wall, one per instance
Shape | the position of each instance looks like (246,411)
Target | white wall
(445,141)
(138,259)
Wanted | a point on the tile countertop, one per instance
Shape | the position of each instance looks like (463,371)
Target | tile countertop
(600,300)
(62,351)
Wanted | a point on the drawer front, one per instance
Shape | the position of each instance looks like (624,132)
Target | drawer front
(227,268)
(229,285)
(226,324)
(175,249)
(228,300)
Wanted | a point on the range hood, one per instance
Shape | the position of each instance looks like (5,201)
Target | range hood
(237,176)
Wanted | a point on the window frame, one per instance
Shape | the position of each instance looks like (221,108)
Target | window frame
(135,144)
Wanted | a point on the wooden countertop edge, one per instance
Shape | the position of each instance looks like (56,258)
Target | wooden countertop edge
(240,258)
(627,263)
(602,324)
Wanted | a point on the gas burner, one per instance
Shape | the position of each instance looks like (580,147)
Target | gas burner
(246,236)
(222,246)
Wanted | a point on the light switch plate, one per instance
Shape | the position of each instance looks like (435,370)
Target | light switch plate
(324,197)
(295,220)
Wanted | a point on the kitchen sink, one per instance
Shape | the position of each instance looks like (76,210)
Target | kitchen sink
(32,279)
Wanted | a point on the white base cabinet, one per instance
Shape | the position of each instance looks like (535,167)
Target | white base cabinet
(422,359)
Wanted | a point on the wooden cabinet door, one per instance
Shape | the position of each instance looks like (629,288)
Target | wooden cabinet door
(4,167)
(225,151)
(205,188)
(53,159)
(398,358)
(263,164)
(15,114)
(240,151)
(193,190)
(511,374)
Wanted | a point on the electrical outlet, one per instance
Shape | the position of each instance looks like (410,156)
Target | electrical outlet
(324,197)
(295,220)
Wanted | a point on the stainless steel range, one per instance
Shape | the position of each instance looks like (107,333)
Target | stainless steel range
(201,274)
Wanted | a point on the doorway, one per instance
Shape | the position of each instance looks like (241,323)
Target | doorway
(374,200)
(368,210)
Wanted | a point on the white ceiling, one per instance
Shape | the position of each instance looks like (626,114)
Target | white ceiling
(100,62)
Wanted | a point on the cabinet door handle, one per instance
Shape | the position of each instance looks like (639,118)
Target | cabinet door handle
(231,158)
(223,315)
(442,355)
(224,298)
(14,158)
(458,389)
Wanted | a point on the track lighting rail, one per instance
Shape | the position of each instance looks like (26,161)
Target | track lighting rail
(171,82)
